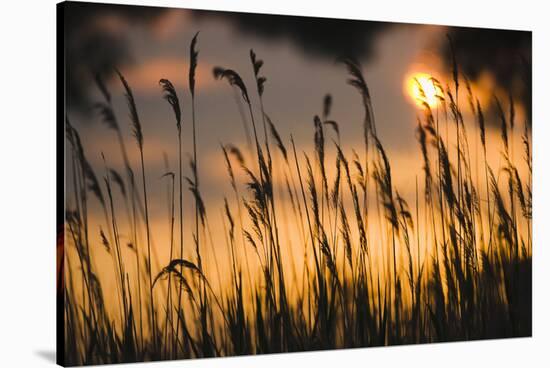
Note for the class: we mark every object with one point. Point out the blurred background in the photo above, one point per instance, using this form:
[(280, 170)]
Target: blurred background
[(299, 53)]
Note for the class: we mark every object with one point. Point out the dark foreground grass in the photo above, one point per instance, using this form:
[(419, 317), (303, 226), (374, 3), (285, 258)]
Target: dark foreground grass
[(456, 265)]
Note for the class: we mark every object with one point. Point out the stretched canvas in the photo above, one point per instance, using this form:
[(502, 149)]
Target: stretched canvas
[(236, 184)]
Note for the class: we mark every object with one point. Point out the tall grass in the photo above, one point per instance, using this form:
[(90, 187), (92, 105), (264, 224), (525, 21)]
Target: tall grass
[(456, 265)]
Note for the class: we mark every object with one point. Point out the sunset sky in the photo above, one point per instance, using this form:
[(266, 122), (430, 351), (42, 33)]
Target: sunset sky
[(149, 44)]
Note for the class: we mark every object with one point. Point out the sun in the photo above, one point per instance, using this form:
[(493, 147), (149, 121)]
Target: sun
[(422, 89)]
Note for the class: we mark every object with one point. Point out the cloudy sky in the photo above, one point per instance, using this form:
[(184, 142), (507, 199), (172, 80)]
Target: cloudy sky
[(147, 44)]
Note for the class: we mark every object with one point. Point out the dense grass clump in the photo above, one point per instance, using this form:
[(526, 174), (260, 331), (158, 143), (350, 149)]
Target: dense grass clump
[(377, 270)]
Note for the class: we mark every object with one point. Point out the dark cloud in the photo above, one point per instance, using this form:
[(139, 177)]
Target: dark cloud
[(504, 53), (90, 48), (500, 52), (316, 37)]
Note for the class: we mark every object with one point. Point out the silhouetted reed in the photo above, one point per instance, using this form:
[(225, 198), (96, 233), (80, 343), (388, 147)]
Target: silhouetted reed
[(377, 268)]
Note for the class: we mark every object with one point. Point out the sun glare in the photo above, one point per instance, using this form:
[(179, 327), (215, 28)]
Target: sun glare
[(422, 89)]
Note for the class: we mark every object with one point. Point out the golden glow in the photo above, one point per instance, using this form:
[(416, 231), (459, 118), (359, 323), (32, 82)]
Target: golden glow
[(422, 89)]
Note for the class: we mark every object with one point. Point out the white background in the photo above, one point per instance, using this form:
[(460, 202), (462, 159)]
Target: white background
[(27, 196)]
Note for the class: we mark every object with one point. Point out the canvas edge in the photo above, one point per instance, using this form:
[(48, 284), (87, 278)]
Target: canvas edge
[(60, 182)]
